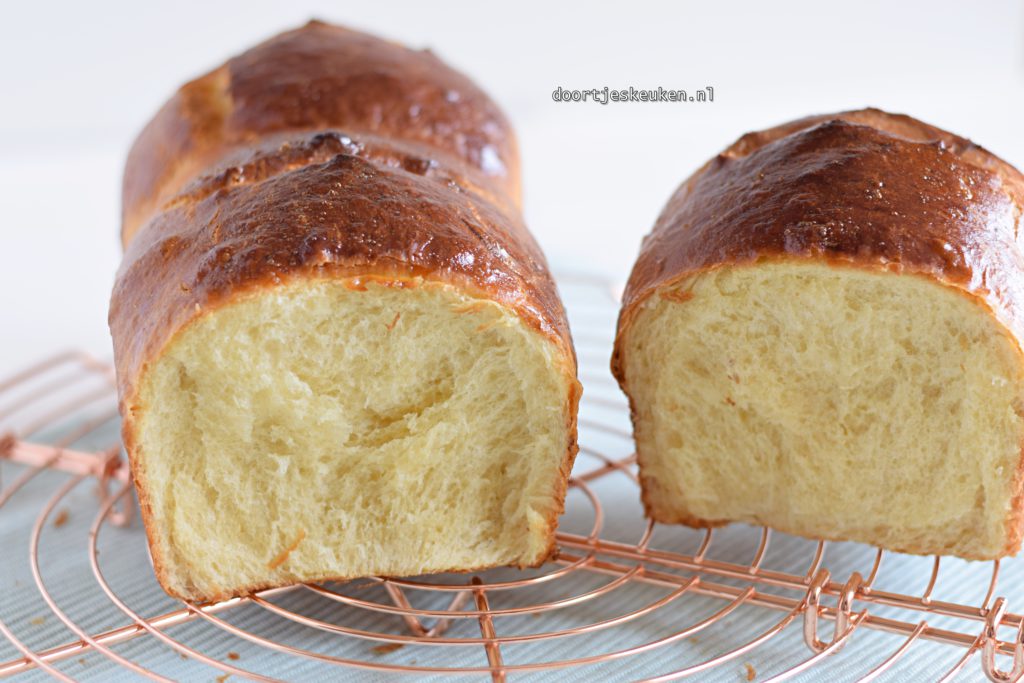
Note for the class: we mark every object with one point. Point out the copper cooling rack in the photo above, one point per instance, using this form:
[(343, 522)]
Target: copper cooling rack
[(622, 600)]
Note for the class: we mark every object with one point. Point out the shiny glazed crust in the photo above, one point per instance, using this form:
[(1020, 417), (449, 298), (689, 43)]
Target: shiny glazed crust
[(321, 153), (865, 189)]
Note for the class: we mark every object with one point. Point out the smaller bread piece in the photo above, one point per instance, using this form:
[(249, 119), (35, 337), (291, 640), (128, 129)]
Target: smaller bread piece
[(339, 351), (822, 335)]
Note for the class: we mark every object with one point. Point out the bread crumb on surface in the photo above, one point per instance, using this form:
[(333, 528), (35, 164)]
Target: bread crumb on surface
[(61, 519), (282, 557), (751, 672), (386, 648), (222, 678), (37, 621), (233, 656)]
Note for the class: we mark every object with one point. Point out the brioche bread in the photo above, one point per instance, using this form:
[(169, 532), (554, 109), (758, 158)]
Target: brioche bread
[(822, 335), (339, 351)]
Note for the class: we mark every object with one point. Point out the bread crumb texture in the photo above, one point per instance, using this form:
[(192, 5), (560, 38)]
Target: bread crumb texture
[(318, 431), (828, 401)]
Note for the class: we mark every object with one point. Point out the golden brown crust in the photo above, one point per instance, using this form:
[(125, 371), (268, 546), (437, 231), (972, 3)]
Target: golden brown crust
[(879, 190), (321, 153), (347, 211), (866, 189), (315, 78)]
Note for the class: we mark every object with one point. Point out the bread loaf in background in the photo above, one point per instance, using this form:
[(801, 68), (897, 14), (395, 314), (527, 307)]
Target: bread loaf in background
[(822, 334), (339, 351)]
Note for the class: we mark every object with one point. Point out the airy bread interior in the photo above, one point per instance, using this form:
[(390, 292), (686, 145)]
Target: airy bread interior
[(323, 430), (828, 401)]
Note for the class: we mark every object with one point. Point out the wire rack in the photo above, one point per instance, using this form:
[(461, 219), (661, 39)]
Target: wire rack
[(623, 599)]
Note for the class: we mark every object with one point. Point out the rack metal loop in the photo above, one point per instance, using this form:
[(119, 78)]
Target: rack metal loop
[(991, 637), (844, 611)]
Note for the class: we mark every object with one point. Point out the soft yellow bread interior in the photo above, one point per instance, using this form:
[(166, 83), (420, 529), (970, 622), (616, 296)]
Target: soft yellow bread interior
[(831, 402), (319, 430)]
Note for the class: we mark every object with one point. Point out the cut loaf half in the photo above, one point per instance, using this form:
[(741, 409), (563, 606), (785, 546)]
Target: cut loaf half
[(339, 351), (822, 334)]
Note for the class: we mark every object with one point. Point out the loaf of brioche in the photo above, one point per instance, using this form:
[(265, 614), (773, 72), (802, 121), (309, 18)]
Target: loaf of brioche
[(339, 351), (822, 334)]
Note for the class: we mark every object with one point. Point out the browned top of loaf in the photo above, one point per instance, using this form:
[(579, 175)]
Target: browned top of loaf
[(321, 153), (314, 78), (866, 188)]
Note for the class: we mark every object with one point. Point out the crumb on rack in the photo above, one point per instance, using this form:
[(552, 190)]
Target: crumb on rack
[(83, 661), (751, 672), (37, 621), (222, 678), (394, 322), (282, 557), (680, 296), (233, 656), (62, 518), (386, 648)]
